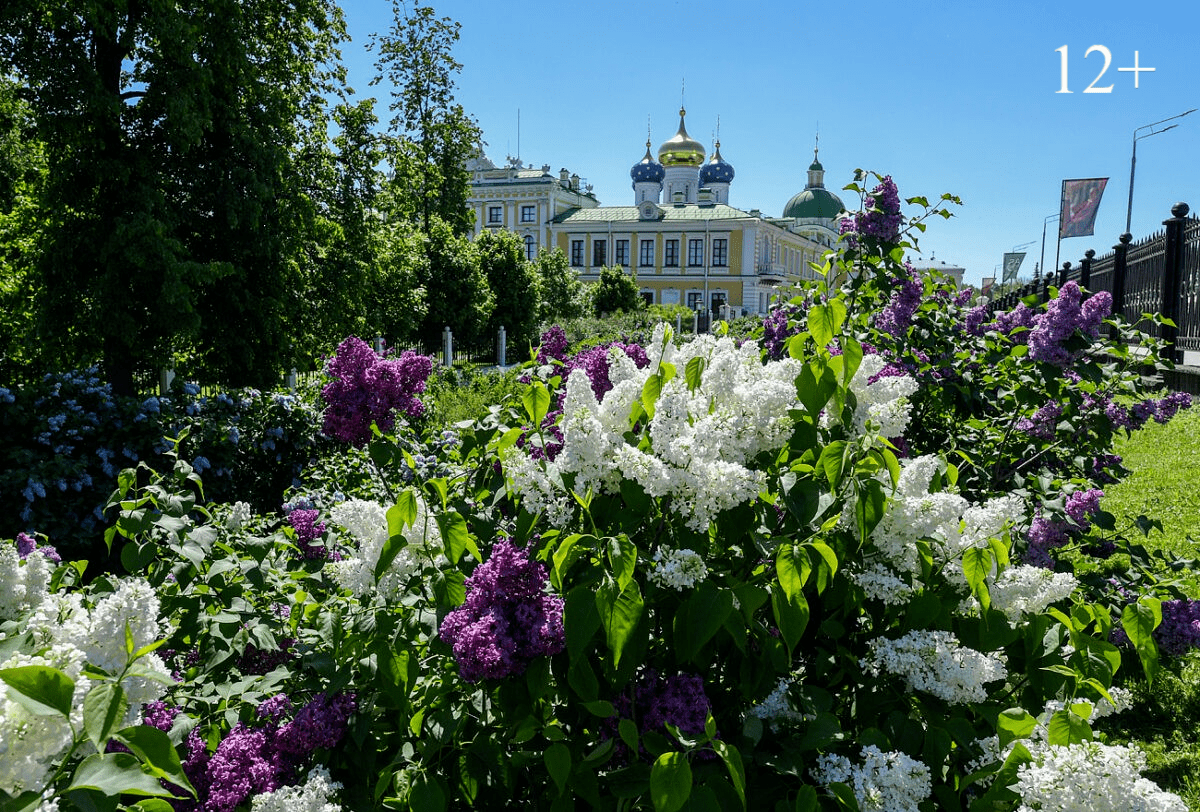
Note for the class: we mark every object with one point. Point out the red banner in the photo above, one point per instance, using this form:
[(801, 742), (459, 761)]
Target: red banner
[(1080, 201)]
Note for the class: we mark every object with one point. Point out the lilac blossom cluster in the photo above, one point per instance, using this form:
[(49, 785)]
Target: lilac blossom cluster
[(308, 533), (1137, 415), (595, 364), (1082, 505), (777, 329), (1044, 535), (975, 320), (253, 761), (1043, 423), (655, 701), (368, 389), (895, 318), (880, 218), (1066, 314), (26, 544), (553, 346), (1020, 318), (1179, 631), (507, 620)]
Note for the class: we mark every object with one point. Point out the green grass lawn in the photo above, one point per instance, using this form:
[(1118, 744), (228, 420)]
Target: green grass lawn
[(1165, 485)]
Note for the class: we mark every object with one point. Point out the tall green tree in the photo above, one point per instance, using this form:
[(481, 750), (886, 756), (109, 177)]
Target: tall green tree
[(22, 174), (562, 294), (171, 212), (456, 288), (432, 137), (616, 290), (514, 284)]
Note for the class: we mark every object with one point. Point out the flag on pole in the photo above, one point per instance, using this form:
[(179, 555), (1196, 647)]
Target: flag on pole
[(1080, 201), (1012, 264)]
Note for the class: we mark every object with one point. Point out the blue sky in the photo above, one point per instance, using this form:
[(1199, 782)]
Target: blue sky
[(945, 97)]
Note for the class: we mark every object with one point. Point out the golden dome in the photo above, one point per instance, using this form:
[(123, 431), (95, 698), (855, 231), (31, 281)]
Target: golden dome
[(680, 149)]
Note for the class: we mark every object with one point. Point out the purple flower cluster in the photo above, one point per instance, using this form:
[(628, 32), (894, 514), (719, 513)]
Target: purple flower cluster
[(257, 661), (656, 701), (368, 389), (594, 363), (777, 330), (308, 532), (974, 321), (553, 346), (1015, 319), (1103, 468), (1043, 423), (26, 544), (255, 760), (1065, 314), (1082, 505), (507, 620), (880, 218), (159, 714), (895, 318), (1137, 415), (1044, 535), (1179, 631)]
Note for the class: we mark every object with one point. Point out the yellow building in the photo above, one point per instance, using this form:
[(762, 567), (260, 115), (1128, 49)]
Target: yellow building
[(680, 237)]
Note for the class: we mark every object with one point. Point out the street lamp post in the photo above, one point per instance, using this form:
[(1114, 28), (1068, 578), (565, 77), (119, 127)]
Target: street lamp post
[(1133, 158), (1043, 254)]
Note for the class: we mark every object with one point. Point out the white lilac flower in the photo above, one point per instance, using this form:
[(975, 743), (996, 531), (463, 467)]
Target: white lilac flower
[(1026, 590), (367, 524), (776, 710), (883, 402), (882, 584), (238, 516), (23, 584), (882, 782), (936, 663), (1090, 777), (677, 569), (315, 795), (30, 744), (538, 485)]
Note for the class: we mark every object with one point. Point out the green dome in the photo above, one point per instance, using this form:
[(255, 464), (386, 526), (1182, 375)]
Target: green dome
[(818, 202)]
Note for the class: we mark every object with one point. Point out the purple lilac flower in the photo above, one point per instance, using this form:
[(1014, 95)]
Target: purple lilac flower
[(1044, 535), (553, 345), (1095, 310), (777, 329), (1166, 408), (507, 620), (25, 545), (274, 709), (974, 321), (1020, 316), (1103, 466), (1059, 322), (658, 701), (594, 363), (259, 662), (1179, 631), (897, 315), (1081, 505), (308, 531), (368, 389), (880, 218), (963, 297), (321, 723), (160, 715), (244, 764), (1043, 423)]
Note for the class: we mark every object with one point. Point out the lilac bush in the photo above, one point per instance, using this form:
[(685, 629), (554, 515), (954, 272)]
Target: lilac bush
[(367, 389)]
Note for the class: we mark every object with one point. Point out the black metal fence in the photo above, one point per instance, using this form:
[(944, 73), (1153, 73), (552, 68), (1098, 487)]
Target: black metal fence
[(1157, 274)]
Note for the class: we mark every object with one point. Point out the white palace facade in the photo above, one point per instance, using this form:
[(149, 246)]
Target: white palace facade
[(679, 235)]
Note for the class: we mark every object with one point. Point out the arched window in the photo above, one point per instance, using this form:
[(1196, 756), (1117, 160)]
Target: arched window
[(530, 247)]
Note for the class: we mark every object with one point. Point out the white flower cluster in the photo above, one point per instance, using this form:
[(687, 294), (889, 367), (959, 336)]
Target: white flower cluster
[(884, 402), (702, 439), (951, 523), (315, 795), (1027, 590), (882, 584), (67, 634), (1090, 777), (677, 569), (23, 584), (935, 662), (239, 515), (776, 710), (882, 782), (540, 489), (367, 524)]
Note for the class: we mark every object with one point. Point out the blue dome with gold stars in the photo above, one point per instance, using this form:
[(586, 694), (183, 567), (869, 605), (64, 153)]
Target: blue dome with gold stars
[(716, 170), (647, 170)]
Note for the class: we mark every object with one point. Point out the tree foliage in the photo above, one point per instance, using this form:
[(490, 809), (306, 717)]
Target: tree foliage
[(456, 287), (561, 291), (515, 286), (615, 290)]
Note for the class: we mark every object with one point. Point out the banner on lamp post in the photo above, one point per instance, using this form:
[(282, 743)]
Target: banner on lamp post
[(1080, 201), (1012, 264)]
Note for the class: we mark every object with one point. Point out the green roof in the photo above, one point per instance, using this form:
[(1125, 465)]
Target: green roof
[(820, 203), (688, 212)]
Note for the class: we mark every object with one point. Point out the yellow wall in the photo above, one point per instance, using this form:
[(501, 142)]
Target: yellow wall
[(735, 252)]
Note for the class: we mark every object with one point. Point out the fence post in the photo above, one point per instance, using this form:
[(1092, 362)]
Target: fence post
[(1172, 276), (165, 378), (696, 322), (678, 324), (1064, 274), (501, 341), (447, 347), (1120, 264), (1085, 269), (291, 380), (379, 345), (1047, 281)]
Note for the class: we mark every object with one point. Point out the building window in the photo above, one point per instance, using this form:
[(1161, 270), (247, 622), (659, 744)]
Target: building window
[(530, 247), (720, 252), (648, 297), (577, 253), (718, 302), (695, 253), (495, 215), (599, 253), (528, 213), (671, 253), (646, 254), (622, 253), (695, 299)]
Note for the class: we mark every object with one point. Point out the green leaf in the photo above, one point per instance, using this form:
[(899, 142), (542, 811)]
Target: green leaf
[(1139, 620), (700, 617), (622, 557), (154, 748), (399, 517), (977, 565), (1066, 727), (825, 560), (455, 537), (536, 400), (103, 709), (833, 462), (620, 611), (733, 763), (791, 615), (427, 795), (115, 774), (651, 389), (627, 730), (869, 509), (670, 782), (558, 764), (41, 690), (852, 355), (694, 371), (791, 571), (1014, 723), (825, 321), (806, 800)]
